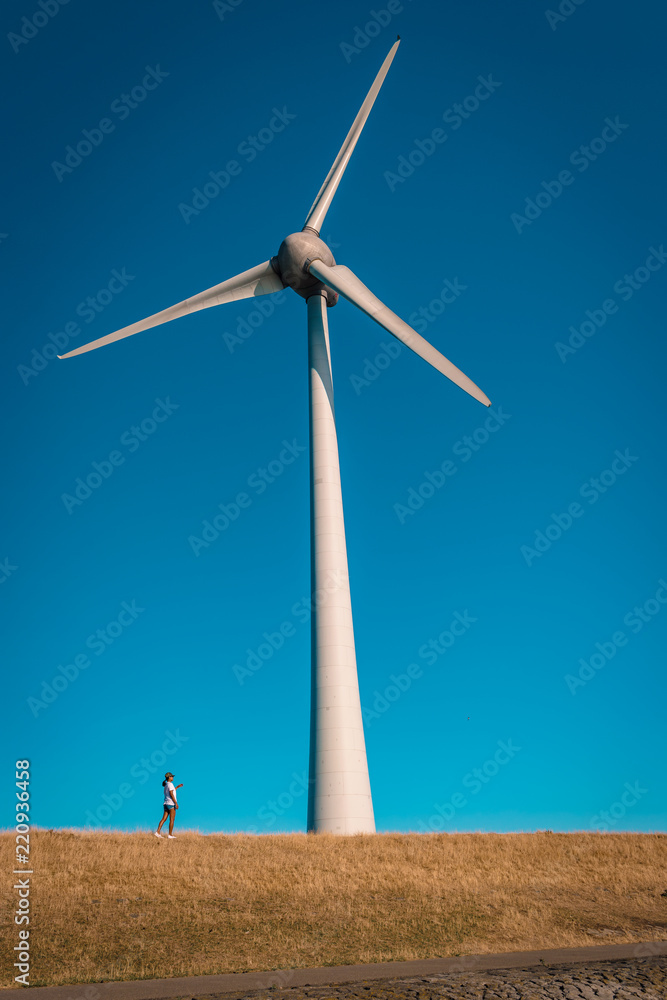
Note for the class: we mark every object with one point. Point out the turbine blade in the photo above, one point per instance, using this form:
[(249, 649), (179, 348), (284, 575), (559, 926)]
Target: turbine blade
[(320, 206), (342, 280), (260, 280)]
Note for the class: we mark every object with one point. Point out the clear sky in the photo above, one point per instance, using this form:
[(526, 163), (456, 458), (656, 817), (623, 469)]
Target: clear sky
[(507, 198)]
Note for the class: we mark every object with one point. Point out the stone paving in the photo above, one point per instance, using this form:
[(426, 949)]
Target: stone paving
[(625, 979)]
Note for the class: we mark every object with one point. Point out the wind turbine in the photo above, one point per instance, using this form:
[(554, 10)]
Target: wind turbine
[(339, 794)]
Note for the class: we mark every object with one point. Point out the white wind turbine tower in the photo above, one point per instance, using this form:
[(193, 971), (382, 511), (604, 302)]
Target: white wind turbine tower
[(339, 798)]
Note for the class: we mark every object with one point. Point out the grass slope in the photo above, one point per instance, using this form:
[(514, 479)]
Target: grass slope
[(127, 906)]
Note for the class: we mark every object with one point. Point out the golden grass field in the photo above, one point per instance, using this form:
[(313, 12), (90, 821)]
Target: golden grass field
[(111, 906)]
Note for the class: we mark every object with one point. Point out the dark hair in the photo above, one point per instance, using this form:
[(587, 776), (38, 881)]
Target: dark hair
[(164, 782)]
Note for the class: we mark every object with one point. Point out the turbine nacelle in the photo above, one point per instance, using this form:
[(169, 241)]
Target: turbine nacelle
[(294, 257)]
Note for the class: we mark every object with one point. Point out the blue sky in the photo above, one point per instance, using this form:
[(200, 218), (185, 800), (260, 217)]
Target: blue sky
[(541, 210)]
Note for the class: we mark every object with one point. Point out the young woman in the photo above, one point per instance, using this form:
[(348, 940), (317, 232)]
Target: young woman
[(170, 805)]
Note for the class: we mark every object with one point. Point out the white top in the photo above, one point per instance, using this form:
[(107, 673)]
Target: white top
[(169, 787)]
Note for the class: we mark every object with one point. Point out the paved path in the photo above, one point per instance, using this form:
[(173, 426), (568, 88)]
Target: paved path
[(624, 979), (603, 972)]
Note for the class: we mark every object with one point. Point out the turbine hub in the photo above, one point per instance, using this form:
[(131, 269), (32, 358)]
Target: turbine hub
[(291, 264)]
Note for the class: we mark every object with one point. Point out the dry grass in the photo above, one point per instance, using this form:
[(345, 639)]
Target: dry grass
[(123, 906)]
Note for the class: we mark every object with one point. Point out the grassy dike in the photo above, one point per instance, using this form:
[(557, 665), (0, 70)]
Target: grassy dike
[(107, 906)]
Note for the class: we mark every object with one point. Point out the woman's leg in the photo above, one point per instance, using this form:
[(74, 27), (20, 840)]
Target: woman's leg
[(164, 816), (172, 817)]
